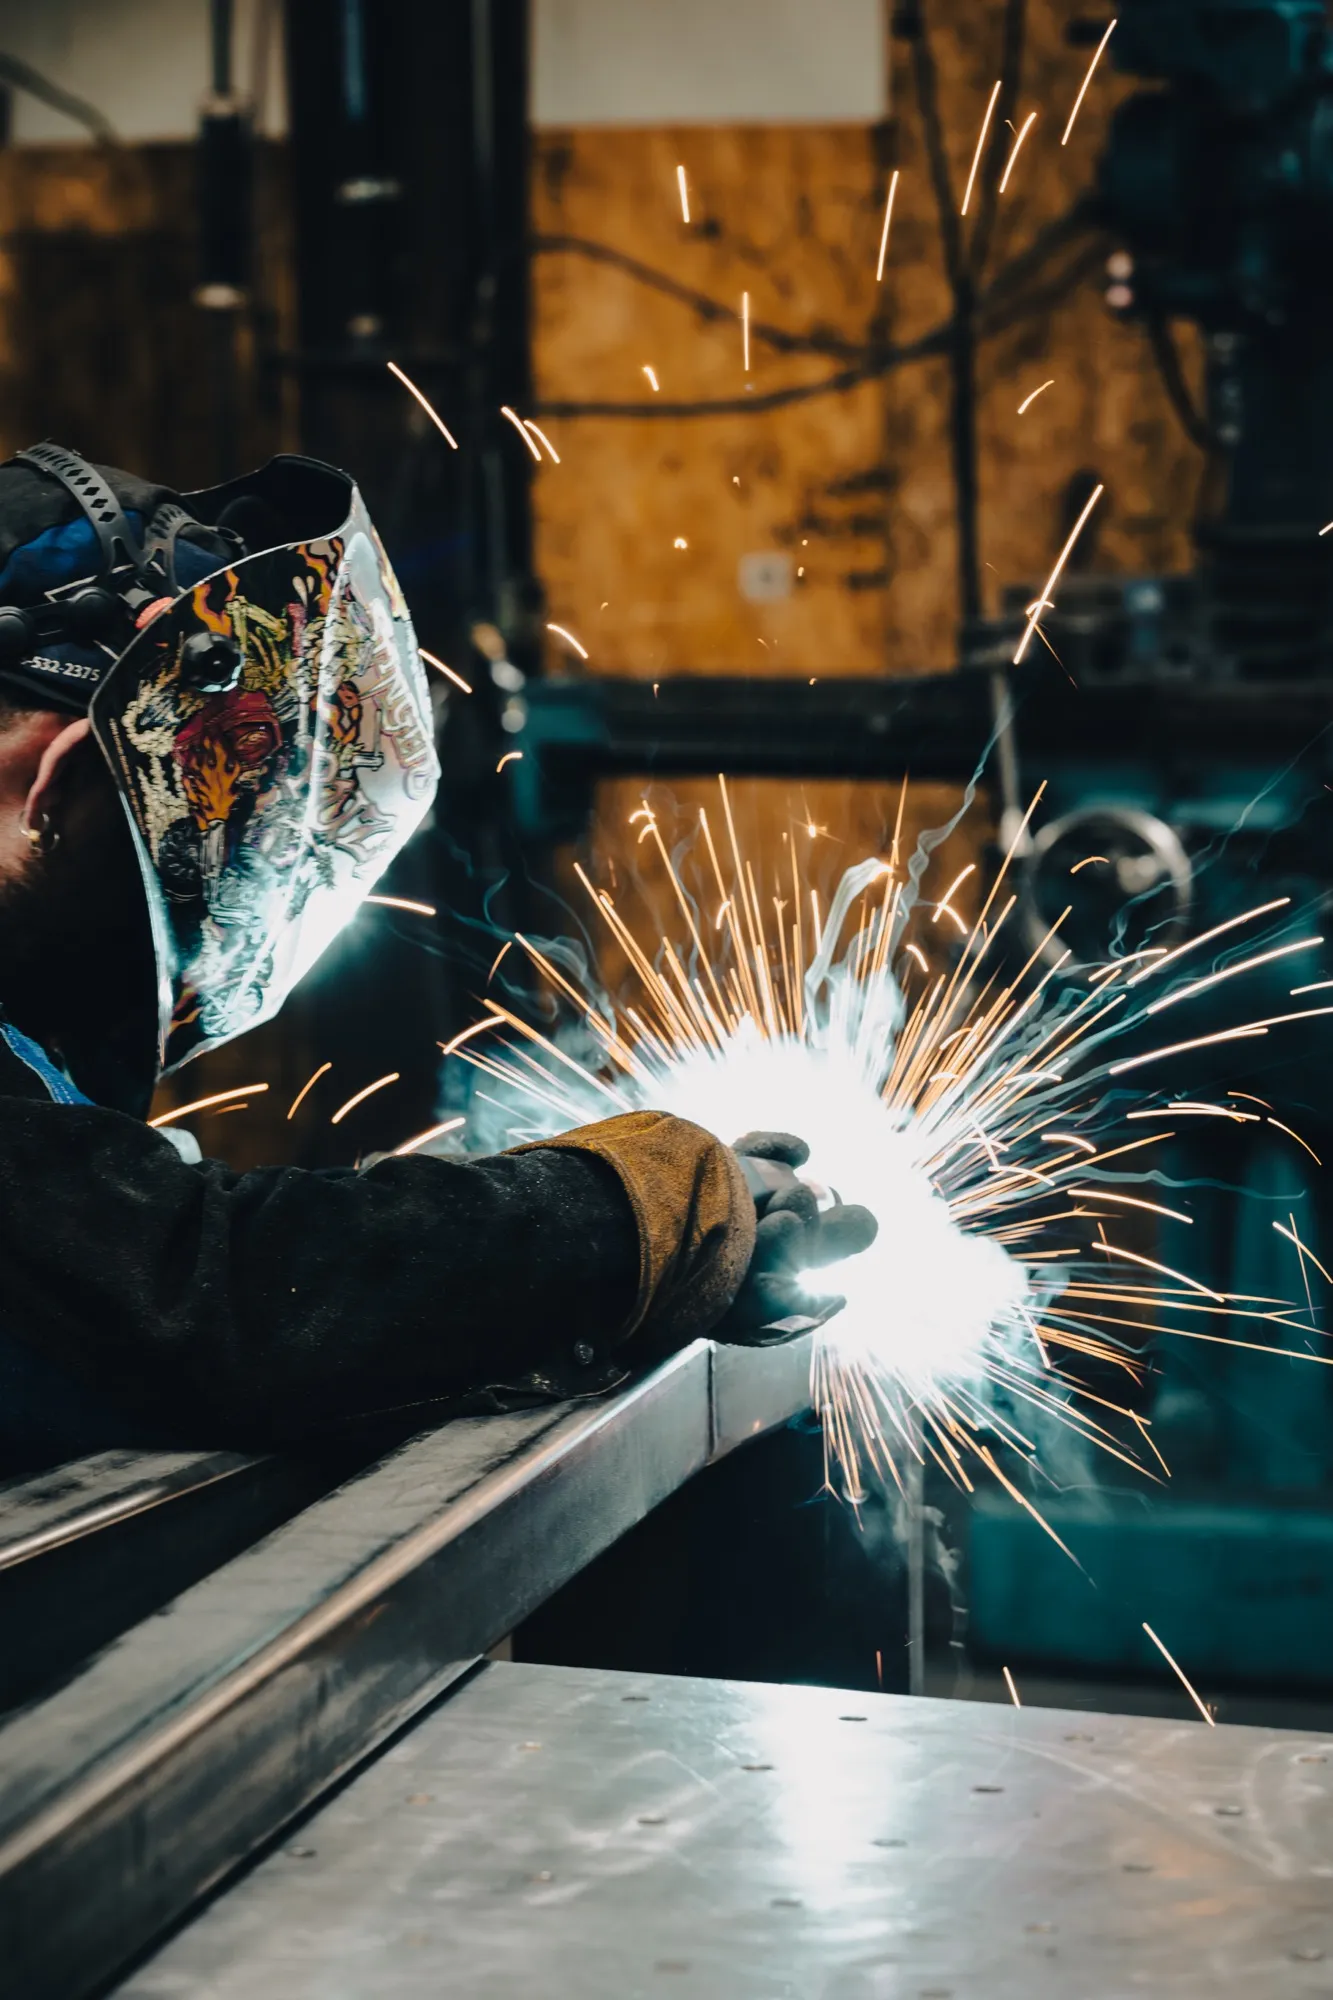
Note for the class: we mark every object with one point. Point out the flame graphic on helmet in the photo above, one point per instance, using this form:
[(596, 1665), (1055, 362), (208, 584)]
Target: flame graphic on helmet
[(217, 617)]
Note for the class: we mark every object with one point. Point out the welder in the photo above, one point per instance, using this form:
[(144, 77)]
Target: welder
[(214, 737)]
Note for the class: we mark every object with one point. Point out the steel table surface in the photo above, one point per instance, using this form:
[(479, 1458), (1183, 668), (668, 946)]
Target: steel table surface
[(129, 1792), (555, 1831)]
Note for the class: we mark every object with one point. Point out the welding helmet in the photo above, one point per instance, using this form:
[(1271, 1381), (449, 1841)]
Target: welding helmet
[(252, 679)]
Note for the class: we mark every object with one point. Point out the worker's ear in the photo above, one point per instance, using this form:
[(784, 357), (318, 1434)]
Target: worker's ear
[(37, 806)]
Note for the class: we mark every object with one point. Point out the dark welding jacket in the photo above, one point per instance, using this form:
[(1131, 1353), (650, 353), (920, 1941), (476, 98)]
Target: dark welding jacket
[(148, 1300)]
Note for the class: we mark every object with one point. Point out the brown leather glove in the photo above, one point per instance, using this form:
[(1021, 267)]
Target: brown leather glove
[(695, 1214)]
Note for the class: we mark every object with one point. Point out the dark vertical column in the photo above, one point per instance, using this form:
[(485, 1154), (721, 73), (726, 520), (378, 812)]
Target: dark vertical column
[(409, 148)]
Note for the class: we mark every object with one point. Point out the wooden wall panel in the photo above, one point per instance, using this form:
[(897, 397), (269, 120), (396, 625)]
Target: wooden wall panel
[(100, 344), (857, 485), (789, 215)]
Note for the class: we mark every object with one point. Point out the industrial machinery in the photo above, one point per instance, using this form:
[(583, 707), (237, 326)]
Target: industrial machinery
[(1187, 737)]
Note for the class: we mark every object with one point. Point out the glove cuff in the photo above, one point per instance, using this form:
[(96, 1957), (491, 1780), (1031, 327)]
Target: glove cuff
[(694, 1213)]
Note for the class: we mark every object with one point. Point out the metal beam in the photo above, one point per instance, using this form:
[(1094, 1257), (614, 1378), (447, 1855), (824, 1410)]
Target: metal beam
[(193, 1740), (927, 726), (88, 1549)]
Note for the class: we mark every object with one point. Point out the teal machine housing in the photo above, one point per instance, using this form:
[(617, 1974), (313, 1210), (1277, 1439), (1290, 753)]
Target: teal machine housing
[(1187, 735), (1231, 1558)]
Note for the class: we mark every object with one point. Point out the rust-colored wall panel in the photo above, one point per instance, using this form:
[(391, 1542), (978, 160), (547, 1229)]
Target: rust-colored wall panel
[(792, 214), (787, 214), (100, 344), (856, 486)]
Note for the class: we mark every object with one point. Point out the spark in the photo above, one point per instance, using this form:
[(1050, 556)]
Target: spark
[(653, 382), (434, 1132), (1044, 601), (569, 639), (510, 757), (403, 903), (1179, 1048), (1230, 972), (433, 660), (1023, 409), (1009, 1683), (1319, 986), (306, 1089), (981, 143), (680, 543), (1303, 1249), (683, 185), (514, 418), (467, 1035), (1019, 137), (1087, 79), (1164, 1270), (425, 403), (206, 1103), (506, 946), (884, 233), (1327, 529), (1225, 1035), (542, 439), (1206, 937), (1132, 1201), (380, 1083), (947, 898), (1182, 1108), (1297, 1137), (1174, 1664), (972, 1119), (745, 329)]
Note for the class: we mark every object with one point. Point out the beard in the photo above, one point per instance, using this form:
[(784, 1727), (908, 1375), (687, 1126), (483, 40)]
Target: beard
[(76, 960)]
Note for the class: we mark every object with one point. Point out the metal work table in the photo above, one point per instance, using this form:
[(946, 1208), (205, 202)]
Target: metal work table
[(548, 1830), (172, 1755)]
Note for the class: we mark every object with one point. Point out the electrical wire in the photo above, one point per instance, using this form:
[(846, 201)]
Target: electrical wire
[(999, 306), (1166, 355), (779, 338), (20, 75)]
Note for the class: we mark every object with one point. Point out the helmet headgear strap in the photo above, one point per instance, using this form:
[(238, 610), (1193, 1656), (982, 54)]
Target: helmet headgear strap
[(119, 544)]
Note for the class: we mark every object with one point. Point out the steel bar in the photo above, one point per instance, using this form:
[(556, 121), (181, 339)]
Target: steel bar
[(190, 1742), (91, 1547), (51, 1509)]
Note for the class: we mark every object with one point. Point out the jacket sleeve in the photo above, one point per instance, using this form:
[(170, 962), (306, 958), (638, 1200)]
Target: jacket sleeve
[(260, 1307), (255, 1308)]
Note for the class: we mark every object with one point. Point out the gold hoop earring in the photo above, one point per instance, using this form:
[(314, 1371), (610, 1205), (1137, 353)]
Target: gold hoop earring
[(41, 839)]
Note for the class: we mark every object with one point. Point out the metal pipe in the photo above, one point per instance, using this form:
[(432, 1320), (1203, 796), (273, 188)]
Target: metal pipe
[(220, 38)]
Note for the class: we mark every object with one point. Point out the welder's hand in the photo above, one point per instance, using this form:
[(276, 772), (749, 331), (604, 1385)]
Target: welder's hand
[(792, 1235)]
